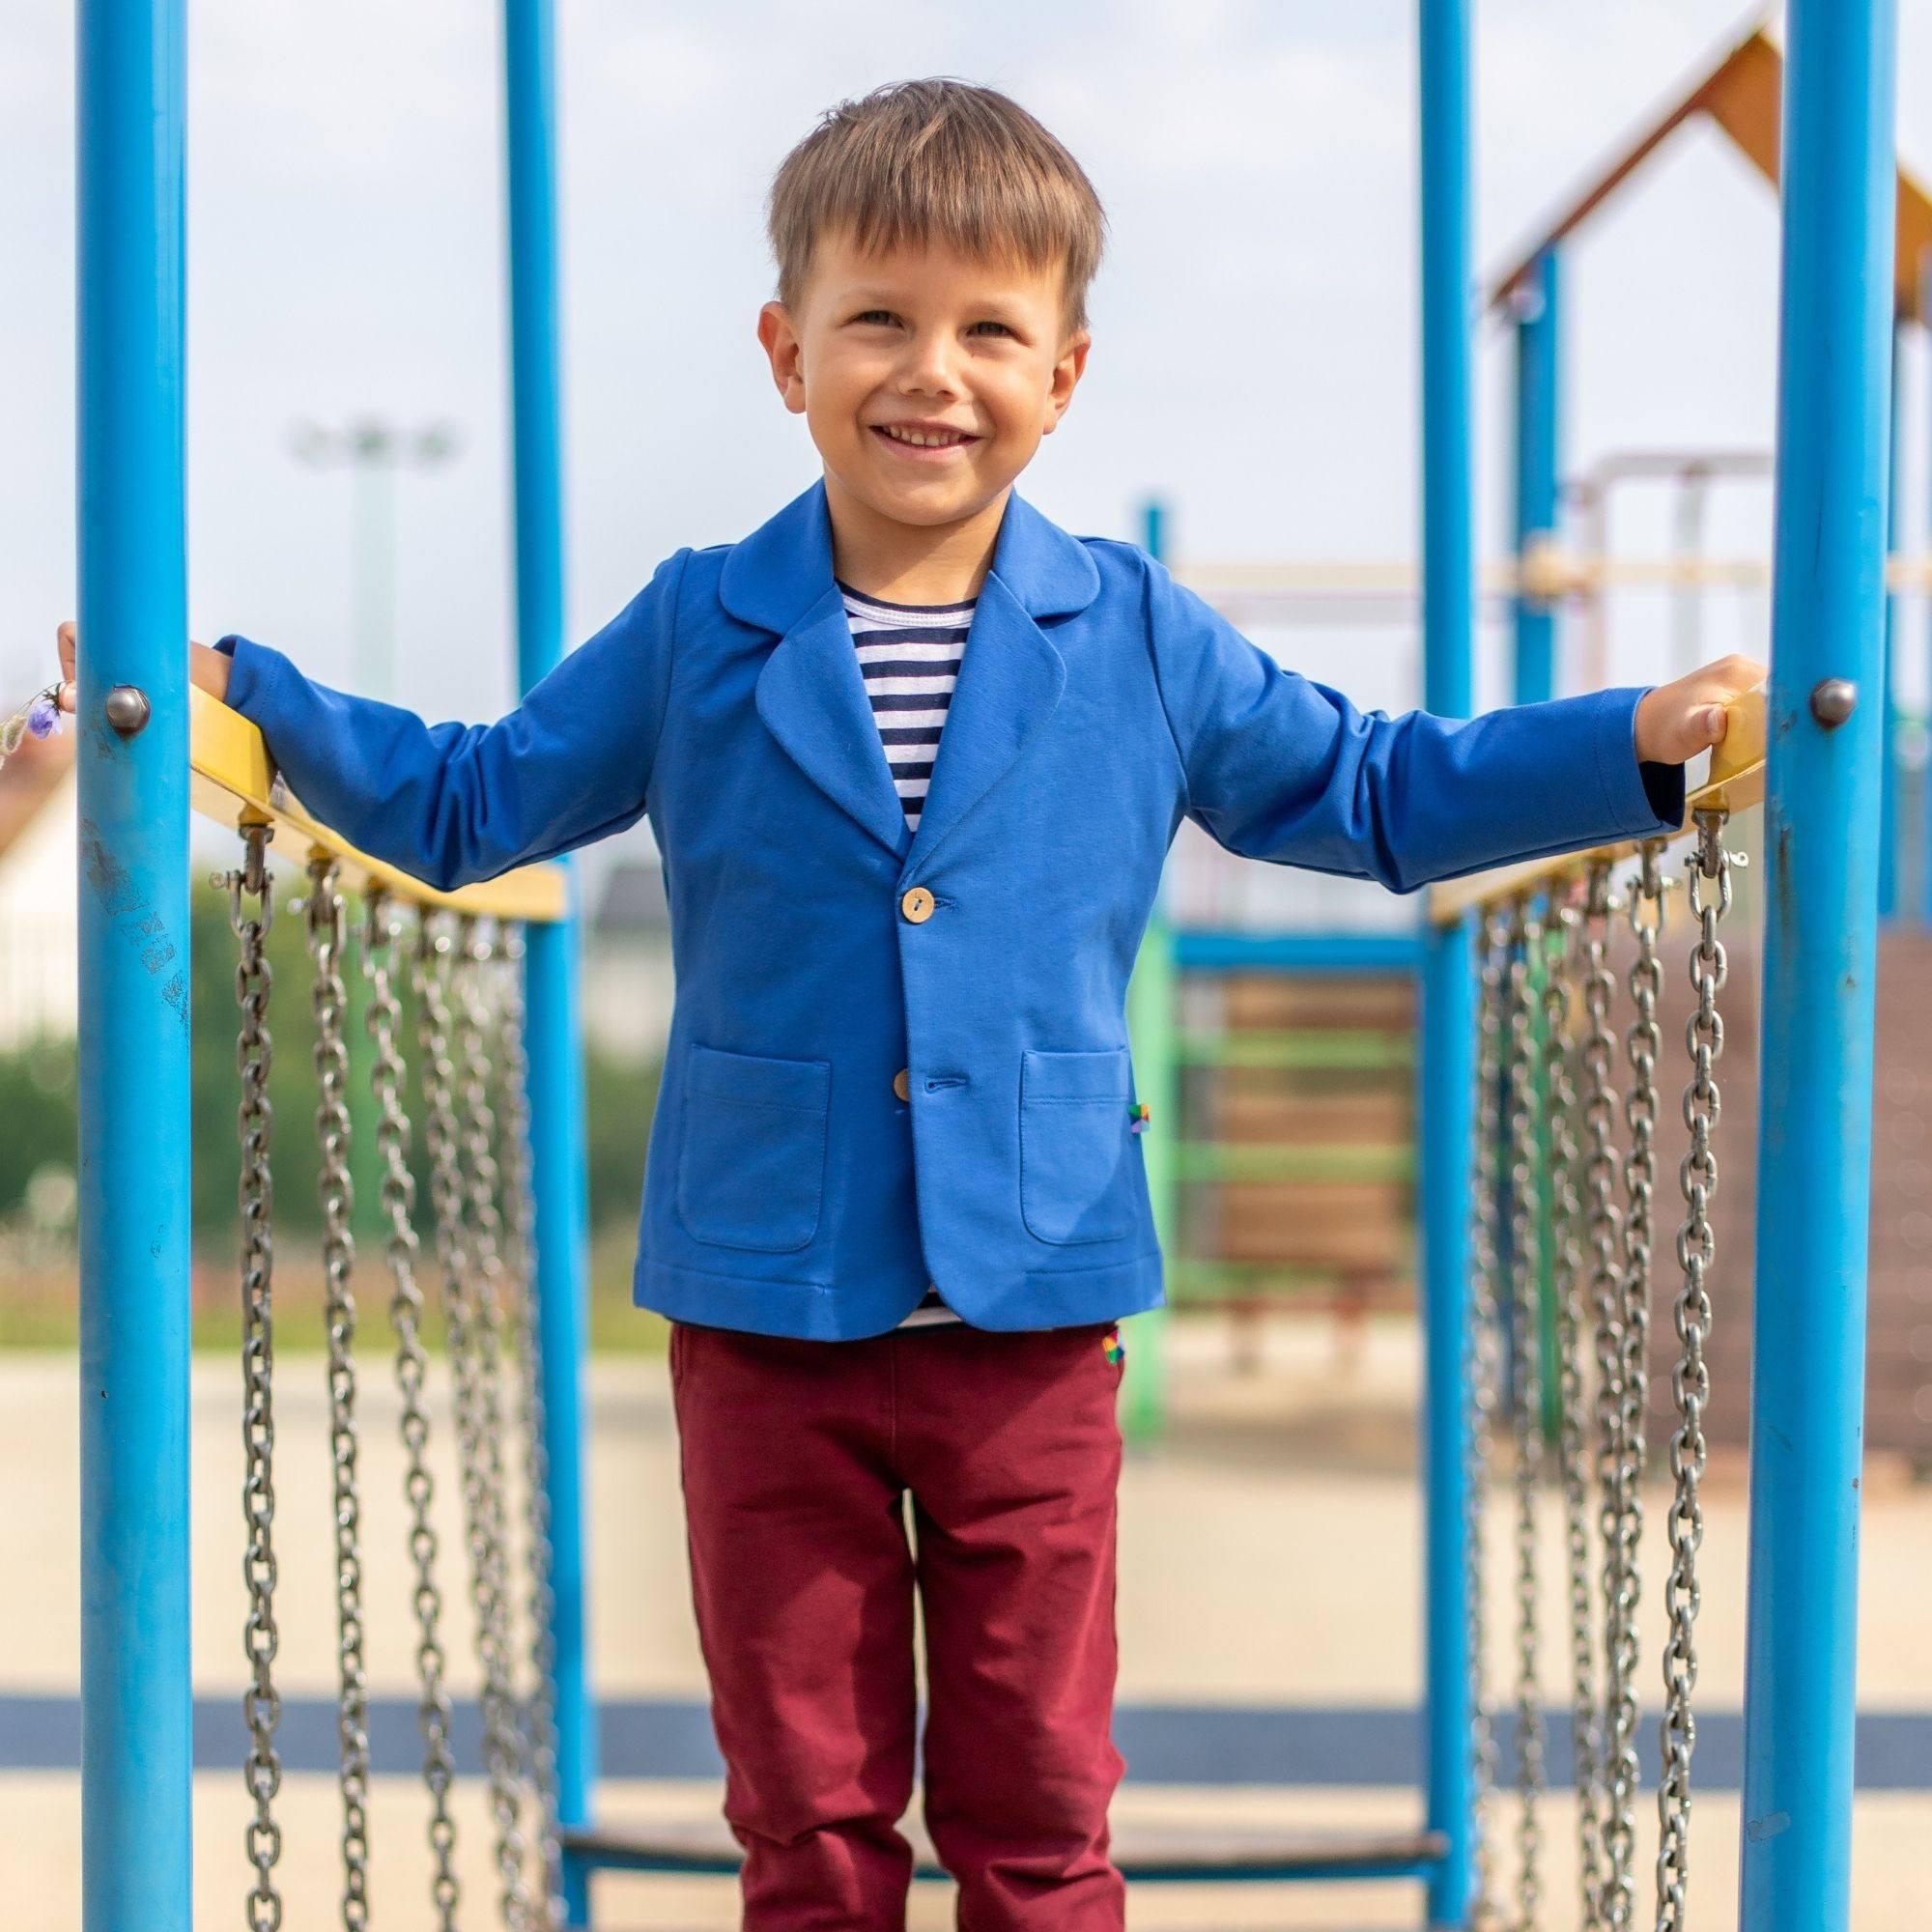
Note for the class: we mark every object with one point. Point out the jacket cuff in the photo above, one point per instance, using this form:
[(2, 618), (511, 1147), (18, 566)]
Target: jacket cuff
[(245, 680), (1641, 798)]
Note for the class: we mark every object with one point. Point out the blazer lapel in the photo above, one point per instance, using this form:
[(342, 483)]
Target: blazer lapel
[(812, 694), (811, 697), (1011, 678)]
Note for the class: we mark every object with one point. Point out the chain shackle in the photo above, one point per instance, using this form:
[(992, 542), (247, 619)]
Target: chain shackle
[(381, 930), (1710, 898)]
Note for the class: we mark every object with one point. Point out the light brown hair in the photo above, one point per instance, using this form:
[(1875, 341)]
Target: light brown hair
[(937, 161)]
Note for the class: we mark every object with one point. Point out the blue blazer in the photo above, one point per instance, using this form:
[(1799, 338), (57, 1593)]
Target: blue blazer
[(821, 947)]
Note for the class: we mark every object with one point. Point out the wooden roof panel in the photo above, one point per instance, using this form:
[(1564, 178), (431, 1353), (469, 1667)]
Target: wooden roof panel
[(1743, 94)]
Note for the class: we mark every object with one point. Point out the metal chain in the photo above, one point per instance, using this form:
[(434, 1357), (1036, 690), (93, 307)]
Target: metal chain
[(381, 930), (254, 1054), (446, 1143), (1697, 1176), (521, 1253), (329, 999), (1623, 1512), (1566, 1220), (1605, 1222), (477, 1115), (1525, 1119), (1483, 1372)]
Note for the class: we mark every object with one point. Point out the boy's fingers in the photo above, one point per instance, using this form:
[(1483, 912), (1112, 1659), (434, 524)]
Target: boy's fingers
[(1717, 720)]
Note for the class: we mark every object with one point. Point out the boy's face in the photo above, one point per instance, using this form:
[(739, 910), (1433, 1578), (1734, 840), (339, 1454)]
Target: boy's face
[(925, 377)]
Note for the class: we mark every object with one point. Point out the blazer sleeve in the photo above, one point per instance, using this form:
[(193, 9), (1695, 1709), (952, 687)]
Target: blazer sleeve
[(1278, 767), (450, 804)]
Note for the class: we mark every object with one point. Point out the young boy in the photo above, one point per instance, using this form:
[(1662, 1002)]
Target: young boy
[(914, 757)]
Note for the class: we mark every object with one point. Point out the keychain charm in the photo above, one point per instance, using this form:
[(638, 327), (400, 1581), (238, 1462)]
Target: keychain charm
[(39, 718)]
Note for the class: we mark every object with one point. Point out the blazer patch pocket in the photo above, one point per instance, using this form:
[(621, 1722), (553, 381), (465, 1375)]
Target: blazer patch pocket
[(750, 1169), (1076, 1150)]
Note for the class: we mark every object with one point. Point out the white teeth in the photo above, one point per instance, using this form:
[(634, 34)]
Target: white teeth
[(924, 439)]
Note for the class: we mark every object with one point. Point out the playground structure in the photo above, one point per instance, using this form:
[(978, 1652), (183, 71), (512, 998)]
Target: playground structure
[(1496, 1010), (1284, 1021)]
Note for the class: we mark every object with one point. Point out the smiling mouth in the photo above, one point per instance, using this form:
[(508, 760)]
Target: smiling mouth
[(926, 440)]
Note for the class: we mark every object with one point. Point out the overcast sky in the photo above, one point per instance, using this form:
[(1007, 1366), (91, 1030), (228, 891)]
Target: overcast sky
[(1255, 358)]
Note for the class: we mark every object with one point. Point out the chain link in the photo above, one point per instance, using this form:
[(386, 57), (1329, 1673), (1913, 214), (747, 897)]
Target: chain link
[(1485, 1247), (330, 999), (1603, 1220), (381, 930), (1622, 1513), (1710, 868), (1566, 1225), (254, 1054), (1525, 1120), (462, 1270), (521, 1252), (478, 1121)]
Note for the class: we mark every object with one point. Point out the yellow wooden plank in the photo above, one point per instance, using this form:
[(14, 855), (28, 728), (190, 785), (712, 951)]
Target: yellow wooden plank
[(235, 783), (1735, 784)]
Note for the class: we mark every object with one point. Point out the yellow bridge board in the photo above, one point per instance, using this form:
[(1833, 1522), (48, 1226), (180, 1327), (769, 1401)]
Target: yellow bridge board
[(235, 784)]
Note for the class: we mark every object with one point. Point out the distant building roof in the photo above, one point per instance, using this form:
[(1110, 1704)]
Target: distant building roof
[(1743, 94), (633, 902), (28, 780)]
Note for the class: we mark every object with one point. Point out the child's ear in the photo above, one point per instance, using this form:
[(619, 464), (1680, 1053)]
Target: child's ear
[(781, 345), (1067, 374)]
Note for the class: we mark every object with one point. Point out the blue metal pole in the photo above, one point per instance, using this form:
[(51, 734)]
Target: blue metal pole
[(1888, 771), (1925, 781), (1821, 847), (137, 1830), (1448, 1071), (557, 1067), (1538, 408)]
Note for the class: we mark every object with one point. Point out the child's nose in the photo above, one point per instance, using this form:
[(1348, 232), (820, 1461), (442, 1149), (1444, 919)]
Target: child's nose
[(930, 368)]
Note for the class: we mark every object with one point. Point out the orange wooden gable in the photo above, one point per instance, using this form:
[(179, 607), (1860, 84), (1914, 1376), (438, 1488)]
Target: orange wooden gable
[(1743, 94)]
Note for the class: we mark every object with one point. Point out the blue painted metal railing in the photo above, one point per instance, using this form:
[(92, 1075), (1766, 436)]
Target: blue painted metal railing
[(1820, 826), (136, 1832)]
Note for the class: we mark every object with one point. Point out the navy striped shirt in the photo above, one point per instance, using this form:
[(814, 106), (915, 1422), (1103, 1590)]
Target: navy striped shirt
[(909, 657)]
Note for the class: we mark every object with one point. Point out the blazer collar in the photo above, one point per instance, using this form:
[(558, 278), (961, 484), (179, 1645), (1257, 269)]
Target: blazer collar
[(812, 694), (781, 570)]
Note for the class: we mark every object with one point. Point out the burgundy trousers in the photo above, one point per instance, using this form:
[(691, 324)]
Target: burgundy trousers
[(797, 1460)]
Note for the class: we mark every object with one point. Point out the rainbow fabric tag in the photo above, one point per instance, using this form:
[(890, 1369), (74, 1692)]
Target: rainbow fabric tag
[(1138, 1118), (1111, 1346)]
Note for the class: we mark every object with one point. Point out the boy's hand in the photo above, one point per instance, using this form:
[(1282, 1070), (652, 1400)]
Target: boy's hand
[(1676, 721), (205, 667)]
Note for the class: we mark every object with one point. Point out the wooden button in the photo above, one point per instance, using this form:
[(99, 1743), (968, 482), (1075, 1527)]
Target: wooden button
[(917, 905), (902, 1083)]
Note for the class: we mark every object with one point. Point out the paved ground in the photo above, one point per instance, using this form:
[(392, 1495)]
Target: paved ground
[(1269, 1557)]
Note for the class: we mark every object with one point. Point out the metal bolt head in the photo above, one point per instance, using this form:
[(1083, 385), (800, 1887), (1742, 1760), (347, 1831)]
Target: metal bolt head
[(126, 709), (1833, 699)]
